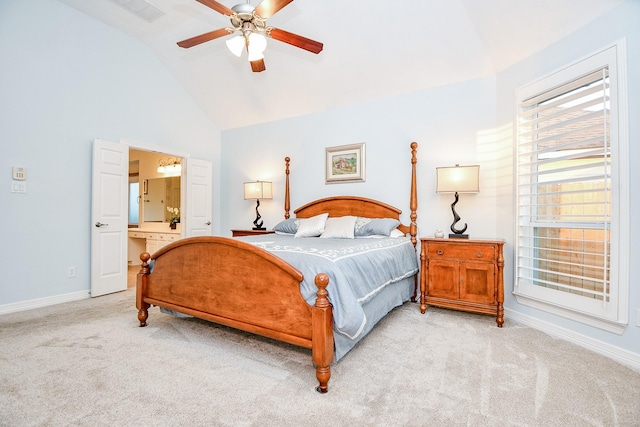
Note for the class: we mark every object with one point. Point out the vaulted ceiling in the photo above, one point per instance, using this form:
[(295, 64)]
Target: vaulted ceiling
[(372, 49)]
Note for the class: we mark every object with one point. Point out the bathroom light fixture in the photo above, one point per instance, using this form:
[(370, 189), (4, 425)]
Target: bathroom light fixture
[(170, 167), (458, 179), (257, 190)]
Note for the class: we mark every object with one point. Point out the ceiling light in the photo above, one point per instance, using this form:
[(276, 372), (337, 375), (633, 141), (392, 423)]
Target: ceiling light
[(170, 167), (257, 44), (236, 45), (254, 55)]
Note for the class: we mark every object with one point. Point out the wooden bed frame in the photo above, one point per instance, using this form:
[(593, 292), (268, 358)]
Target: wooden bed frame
[(237, 284)]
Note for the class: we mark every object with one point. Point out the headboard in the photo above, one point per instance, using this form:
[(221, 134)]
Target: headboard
[(359, 206)]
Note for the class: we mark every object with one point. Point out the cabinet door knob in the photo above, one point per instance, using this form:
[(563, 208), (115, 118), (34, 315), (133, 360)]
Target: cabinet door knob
[(479, 254), (440, 251)]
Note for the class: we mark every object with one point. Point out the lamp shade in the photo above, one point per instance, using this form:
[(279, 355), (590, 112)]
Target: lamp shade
[(257, 190), (236, 45), (257, 44), (458, 179)]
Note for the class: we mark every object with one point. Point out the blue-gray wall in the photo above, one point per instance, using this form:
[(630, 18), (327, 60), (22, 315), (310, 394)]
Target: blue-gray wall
[(66, 79)]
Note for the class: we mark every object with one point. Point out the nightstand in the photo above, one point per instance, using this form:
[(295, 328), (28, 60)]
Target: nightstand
[(238, 233), (462, 274)]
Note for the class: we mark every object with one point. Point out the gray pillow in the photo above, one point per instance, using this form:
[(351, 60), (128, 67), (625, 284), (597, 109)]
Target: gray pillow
[(288, 226), (375, 226)]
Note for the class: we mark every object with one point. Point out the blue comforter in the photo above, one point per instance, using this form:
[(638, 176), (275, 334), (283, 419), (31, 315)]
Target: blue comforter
[(358, 270)]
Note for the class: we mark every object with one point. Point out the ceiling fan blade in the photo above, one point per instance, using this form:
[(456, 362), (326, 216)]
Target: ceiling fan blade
[(268, 8), (193, 41), (258, 65), (295, 40), (220, 8)]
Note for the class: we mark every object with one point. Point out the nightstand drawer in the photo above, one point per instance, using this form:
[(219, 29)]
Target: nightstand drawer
[(464, 252)]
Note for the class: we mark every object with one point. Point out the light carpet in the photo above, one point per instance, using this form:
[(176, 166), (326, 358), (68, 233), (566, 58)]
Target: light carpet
[(87, 363)]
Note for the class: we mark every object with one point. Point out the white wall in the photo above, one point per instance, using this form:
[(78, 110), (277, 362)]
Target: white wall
[(65, 79), (622, 22), (448, 123)]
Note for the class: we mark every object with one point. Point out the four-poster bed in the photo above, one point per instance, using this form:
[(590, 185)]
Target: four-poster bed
[(242, 283)]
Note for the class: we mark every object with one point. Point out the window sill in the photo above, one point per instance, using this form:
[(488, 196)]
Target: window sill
[(587, 319)]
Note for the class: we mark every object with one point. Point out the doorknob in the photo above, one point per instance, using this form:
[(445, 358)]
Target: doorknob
[(99, 224), (207, 223)]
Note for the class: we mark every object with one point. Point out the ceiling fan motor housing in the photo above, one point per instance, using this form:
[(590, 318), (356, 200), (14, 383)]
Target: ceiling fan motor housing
[(244, 19)]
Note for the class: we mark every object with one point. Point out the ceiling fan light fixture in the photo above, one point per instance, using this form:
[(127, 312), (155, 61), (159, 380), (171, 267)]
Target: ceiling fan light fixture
[(254, 56), (251, 23), (257, 42), (236, 45)]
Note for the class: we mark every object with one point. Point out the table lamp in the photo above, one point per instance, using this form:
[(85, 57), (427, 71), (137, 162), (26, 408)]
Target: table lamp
[(457, 179), (257, 190)]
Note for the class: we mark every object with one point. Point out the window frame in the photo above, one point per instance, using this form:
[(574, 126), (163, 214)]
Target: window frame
[(612, 316)]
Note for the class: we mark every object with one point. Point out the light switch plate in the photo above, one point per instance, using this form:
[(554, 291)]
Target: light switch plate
[(18, 187), (19, 173)]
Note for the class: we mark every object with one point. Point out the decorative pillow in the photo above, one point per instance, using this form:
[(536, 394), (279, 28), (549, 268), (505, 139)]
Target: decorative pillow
[(311, 227), (339, 228), (288, 226), (396, 233), (375, 226)]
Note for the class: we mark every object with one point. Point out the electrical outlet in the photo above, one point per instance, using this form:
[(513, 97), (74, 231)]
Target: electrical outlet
[(71, 272)]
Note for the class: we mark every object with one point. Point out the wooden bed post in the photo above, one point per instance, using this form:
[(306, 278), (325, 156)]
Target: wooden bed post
[(413, 205), (287, 205), (141, 289), (322, 344), (413, 202)]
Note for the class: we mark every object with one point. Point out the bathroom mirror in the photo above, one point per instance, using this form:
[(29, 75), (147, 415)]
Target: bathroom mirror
[(158, 194)]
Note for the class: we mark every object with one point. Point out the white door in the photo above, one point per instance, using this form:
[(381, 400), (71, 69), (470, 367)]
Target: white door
[(109, 220), (199, 196)]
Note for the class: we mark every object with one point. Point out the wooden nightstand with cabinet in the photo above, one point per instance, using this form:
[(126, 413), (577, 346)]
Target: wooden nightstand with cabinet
[(462, 274)]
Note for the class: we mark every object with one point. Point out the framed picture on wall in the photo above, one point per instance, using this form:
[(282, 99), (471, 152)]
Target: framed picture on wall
[(345, 163)]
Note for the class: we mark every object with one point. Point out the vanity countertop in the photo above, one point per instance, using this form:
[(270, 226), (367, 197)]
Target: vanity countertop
[(153, 230)]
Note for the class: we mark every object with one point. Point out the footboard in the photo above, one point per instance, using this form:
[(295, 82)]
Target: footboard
[(237, 284)]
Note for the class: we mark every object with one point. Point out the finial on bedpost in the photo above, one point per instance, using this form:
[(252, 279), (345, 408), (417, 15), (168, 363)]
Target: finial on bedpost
[(287, 205), (413, 204)]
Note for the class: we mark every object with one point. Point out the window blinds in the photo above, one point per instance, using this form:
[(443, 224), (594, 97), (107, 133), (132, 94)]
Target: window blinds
[(564, 187)]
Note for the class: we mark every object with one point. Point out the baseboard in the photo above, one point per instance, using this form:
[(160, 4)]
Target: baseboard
[(43, 302), (618, 354)]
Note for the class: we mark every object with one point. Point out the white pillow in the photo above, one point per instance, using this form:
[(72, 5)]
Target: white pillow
[(396, 233), (339, 228), (311, 227)]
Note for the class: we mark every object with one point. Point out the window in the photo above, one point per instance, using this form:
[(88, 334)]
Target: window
[(571, 185)]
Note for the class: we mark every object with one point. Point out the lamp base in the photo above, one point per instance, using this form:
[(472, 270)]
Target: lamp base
[(458, 236), (259, 228)]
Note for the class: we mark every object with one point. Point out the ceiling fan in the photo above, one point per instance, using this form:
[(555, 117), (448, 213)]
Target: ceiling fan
[(251, 23)]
